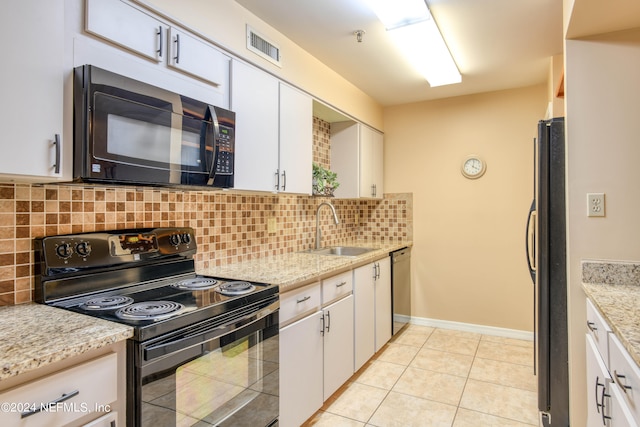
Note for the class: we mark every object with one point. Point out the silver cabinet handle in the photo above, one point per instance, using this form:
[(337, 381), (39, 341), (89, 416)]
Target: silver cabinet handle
[(277, 180), (591, 326), (65, 396), (177, 41), (56, 142), (284, 180), (328, 321), (323, 323), (303, 299), (160, 41), (341, 284), (617, 377), (604, 417), (599, 384)]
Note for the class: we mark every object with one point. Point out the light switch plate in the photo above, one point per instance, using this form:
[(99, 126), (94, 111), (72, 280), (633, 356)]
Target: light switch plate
[(595, 204)]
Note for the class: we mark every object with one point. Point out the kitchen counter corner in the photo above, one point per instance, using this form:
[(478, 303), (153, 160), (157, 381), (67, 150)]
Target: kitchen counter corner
[(614, 288), (35, 335)]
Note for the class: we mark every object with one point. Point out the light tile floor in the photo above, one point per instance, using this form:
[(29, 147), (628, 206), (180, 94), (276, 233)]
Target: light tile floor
[(438, 377)]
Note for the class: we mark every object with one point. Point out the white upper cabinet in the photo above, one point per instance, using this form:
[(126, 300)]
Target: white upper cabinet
[(296, 145), (371, 163), (32, 89), (254, 98), (128, 27), (193, 56), (357, 158), (274, 130), (152, 38)]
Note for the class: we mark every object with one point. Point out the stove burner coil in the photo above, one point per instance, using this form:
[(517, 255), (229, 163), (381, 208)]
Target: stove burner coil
[(149, 310), (196, 284), (235, 288), (106, 303)]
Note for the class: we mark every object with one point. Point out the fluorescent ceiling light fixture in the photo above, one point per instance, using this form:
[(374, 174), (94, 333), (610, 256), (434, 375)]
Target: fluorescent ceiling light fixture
[(415, 33)]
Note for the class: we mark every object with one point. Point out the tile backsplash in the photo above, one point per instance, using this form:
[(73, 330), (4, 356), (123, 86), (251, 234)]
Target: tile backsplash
[(229, 226)]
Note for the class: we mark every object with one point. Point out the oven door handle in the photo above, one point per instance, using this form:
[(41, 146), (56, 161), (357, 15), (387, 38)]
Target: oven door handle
[(193, 339)]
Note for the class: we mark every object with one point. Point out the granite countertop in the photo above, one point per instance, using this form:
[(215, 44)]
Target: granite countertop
[(35, 335), (614, 288), (292, 270)]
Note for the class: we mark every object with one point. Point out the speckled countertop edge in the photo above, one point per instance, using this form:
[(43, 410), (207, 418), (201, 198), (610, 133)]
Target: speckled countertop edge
[(614, 288), (292, 270), (35, 335)]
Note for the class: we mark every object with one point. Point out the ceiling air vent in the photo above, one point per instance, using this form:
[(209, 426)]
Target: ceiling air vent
[(261, 46)]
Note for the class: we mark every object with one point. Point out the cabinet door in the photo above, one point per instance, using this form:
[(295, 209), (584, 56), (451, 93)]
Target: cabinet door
[(598, 383), (345, 151), (366, 162), (195, 57), (32, 87), (377, 164), (128, 27), (364, 312), (384, 316), (254, 98), (621, 415), (300, 370), (296, 141), (371, 163), (338, 345)]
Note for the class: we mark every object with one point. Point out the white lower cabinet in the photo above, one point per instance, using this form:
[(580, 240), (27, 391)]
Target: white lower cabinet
[(301, 357), (373, 311), (598, 382), (64, 397), (338, 344), (613, 378), (316, 352)]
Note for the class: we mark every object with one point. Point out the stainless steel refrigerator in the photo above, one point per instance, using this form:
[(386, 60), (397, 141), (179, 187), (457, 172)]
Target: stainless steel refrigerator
[(546, 256)]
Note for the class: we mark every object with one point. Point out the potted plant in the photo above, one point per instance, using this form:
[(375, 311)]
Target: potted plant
[(325, 182)]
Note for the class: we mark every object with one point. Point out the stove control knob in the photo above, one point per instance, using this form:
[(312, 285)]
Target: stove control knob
[(174, 239), (83, 249), (186, 238), (64, 250)]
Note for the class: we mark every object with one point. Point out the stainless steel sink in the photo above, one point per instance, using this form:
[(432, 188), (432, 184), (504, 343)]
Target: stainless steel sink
[(340, 251)]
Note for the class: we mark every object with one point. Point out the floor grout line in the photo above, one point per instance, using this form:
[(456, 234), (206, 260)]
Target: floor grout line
[(405, 367)]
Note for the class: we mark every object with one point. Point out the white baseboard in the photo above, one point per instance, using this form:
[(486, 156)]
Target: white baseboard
[(467, 327)]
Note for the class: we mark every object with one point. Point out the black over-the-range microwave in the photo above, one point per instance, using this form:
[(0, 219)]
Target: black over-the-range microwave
[(130, 132)]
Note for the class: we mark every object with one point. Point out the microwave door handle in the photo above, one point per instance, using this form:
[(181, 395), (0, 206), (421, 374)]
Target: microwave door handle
[(211, 114)]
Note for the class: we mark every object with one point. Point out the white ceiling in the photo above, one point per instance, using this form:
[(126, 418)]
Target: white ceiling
[(497, 44)]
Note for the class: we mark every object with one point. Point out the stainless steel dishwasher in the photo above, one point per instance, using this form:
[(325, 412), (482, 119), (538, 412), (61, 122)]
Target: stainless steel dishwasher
[(401, 287)]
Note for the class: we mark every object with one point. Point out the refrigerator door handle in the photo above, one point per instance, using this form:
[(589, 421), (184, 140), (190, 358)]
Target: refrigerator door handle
[(530, 241)]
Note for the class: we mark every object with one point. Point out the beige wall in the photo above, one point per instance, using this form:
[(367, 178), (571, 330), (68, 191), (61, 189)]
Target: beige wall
[(224, 23), (603, 100), (468, 258)]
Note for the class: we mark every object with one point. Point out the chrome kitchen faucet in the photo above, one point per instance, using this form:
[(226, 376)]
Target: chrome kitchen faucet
[(318, 231)]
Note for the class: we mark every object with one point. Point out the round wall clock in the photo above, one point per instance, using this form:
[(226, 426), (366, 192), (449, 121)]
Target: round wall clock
[(473, 167)]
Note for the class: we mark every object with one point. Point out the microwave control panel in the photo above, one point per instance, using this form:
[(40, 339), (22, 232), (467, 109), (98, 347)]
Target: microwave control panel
[(225, 148)]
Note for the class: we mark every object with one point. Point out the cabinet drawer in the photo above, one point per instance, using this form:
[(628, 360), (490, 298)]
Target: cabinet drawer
[(598, 328), (299, 302), (336, 287), (91, 386), (626, 374)]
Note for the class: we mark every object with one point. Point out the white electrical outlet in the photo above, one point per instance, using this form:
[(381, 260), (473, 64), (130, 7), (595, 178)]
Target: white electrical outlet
[(595, 204)]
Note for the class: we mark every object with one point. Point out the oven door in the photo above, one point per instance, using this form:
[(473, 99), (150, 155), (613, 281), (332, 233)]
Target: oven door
[(219, 373), (141, 134)]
